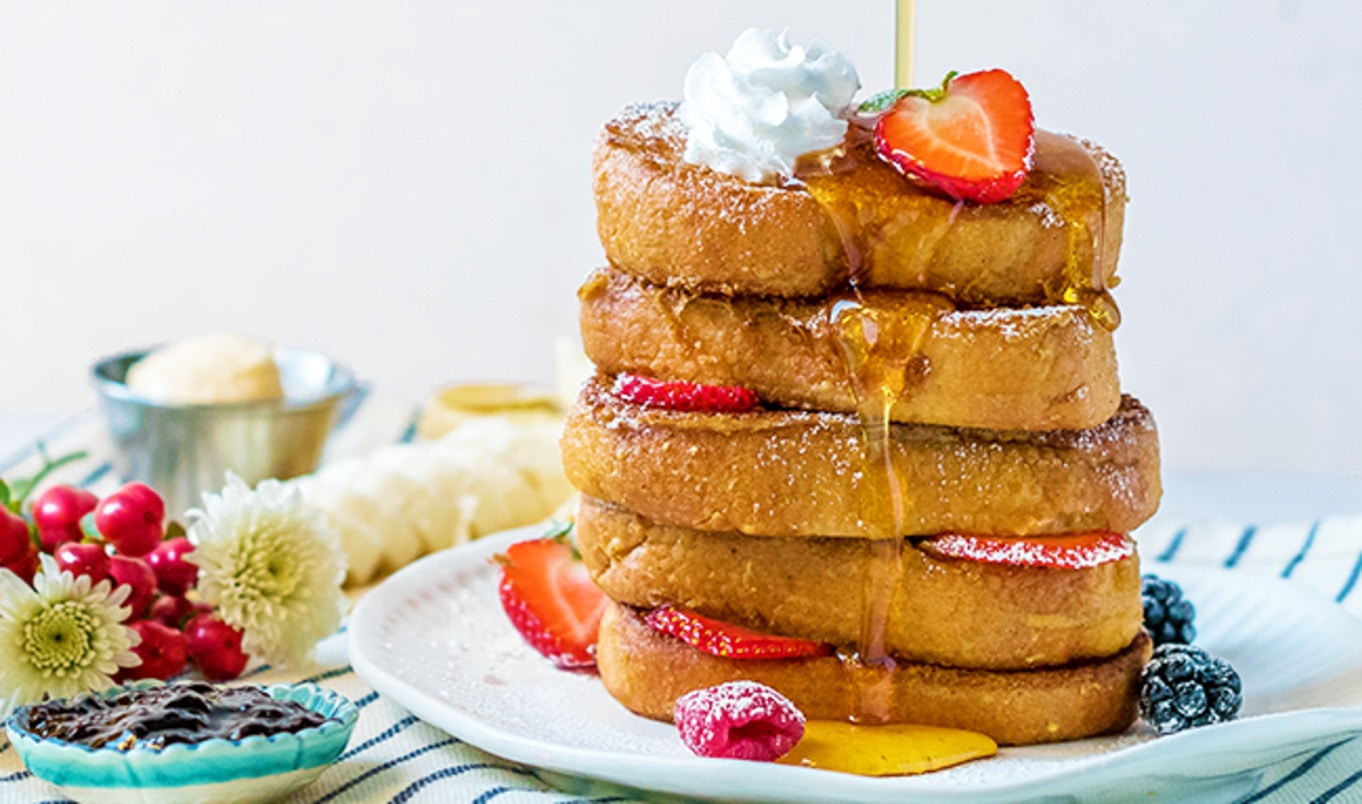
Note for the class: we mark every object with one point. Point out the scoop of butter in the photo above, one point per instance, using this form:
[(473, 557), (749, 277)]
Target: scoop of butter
[(215, 368)]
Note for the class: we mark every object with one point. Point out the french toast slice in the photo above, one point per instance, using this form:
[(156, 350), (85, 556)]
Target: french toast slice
[(647, 671), (679, 224), (1037, 368), (942, 610), (798, 473)]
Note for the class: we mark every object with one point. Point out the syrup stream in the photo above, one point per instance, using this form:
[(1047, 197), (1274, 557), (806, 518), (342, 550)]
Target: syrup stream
[(876, 353), (905, 21)]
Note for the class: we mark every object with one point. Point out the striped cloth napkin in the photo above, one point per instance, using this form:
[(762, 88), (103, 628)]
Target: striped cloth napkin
[(394, 757)]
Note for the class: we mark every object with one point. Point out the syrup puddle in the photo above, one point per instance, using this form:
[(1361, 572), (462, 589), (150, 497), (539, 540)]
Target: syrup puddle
[(895, 750)]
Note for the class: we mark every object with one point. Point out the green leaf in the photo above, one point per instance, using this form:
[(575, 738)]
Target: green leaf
[(4, 494), (880, 102), (174, 530), (557, 530), (561, 532)]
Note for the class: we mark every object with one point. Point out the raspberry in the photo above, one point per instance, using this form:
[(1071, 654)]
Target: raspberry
[(738, 720), (1167, 616), (685, 396), (1184, 686)]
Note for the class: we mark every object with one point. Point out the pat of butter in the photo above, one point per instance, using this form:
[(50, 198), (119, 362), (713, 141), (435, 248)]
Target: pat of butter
[(210, 369)]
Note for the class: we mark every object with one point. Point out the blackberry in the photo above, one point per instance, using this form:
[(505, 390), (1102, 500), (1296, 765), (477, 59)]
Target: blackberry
[(1167, 616), (1184, 686)]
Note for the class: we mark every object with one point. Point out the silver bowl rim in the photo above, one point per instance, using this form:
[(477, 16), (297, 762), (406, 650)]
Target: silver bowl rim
[(341, 383)]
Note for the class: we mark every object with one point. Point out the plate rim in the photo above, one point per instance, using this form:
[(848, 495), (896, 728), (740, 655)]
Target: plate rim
[(1307, 726)]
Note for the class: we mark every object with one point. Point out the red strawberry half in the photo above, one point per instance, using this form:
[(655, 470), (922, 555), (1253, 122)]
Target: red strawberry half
[(551, 600), (972, 138), (730, 641), (685, 396), (1063, 551)]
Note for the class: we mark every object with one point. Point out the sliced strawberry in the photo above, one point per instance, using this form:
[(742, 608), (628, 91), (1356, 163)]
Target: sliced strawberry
[(551, 600), (730, 641), (1065, 551), (972, 138), (685, 396)]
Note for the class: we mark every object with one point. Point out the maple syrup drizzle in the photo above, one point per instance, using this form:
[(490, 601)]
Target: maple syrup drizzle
[(891, 227), (876, 351), (893, 750), (1069, 183)]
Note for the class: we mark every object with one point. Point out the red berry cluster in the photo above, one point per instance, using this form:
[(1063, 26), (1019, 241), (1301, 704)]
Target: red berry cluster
[(124, 539)]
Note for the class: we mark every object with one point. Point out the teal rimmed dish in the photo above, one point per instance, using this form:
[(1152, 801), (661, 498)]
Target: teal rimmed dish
[(256, 768)]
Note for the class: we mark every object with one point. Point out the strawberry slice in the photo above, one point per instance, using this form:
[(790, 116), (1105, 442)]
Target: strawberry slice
[(1064, 551), (730, 641), (551, 600), (685, 396), (972, 138)]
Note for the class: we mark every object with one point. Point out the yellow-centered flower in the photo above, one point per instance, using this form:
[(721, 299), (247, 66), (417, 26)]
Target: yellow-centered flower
[(62, 636), (272, 566)]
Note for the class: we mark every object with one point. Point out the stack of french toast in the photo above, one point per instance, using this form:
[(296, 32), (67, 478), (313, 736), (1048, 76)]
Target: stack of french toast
[(860, 441)]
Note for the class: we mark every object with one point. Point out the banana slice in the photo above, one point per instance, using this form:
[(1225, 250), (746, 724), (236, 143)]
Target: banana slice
[(487, 473), (363, 548), (432, 513)]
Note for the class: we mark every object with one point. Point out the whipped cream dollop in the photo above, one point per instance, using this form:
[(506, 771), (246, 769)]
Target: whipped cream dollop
[(755, 111)]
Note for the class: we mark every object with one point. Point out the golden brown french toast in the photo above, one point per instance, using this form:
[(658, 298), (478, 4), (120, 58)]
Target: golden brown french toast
[(797, 473), (942, 610), (647, 671), (679, 224), (1038, 368)]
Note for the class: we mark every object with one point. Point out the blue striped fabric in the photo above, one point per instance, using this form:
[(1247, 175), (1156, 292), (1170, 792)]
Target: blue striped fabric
[(395, 757)]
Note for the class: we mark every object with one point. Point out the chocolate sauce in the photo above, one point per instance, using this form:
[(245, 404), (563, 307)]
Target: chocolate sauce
[(189, 712)]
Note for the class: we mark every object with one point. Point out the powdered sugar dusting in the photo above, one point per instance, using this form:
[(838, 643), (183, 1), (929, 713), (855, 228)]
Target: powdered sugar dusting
[(739, 720)]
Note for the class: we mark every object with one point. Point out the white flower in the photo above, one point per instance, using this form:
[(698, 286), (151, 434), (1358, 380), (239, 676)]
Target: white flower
[(271, 566), (62, 636)]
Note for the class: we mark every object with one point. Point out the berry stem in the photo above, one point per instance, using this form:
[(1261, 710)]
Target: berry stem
[(14, 495)]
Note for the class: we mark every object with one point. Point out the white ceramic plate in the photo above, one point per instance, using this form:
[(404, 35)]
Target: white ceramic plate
[(433, 638)]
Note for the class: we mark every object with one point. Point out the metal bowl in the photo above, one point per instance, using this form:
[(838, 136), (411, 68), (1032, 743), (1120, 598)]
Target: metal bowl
[(184, 450)]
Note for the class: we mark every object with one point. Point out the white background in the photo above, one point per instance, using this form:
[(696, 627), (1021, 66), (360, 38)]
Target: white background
[(406, 184)]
